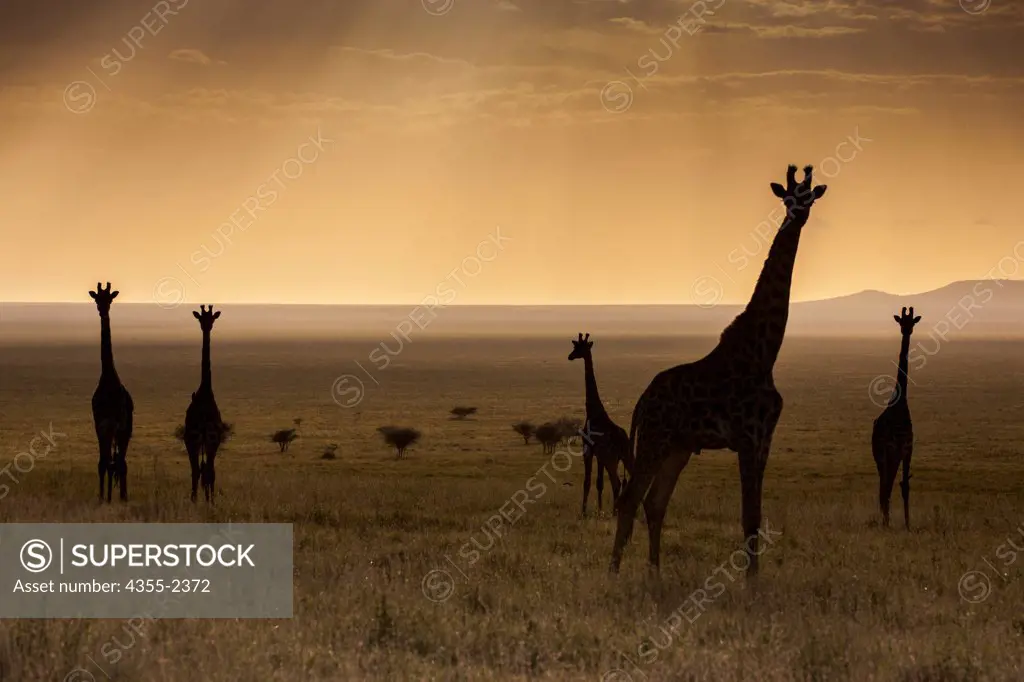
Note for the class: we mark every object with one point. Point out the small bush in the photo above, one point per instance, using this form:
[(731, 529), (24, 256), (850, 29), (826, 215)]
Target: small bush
[(284, 438), (549, 435), (526, 430), (227, 430), (462, 412), (399, 438)]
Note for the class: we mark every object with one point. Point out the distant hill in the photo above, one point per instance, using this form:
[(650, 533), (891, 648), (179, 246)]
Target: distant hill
[(970, 308)]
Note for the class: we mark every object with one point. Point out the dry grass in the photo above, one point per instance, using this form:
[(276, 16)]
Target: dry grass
[(839, 598)]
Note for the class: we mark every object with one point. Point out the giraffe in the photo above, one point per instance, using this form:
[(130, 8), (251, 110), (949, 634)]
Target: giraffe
[(203, 426), (112, 406), (603, 438), (726, 400), (892, 437)]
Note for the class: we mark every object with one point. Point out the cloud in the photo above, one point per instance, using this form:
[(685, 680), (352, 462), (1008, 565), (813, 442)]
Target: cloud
[(192, 56)]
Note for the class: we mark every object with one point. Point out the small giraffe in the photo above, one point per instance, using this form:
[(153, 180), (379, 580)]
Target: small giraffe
[(112, 406), (892, 437), (603, 438), (204, 429), (726, 400)]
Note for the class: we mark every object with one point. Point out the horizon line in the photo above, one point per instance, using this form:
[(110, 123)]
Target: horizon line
[(515, 305)]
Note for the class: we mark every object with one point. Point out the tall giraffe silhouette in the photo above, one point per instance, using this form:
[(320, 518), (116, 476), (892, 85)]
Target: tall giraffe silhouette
[(112, 406), (726, 400), (204, 429), (602, 437), (892, 437)]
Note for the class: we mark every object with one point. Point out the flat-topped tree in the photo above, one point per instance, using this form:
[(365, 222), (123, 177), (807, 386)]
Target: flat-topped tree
[(112, 406), (726, 400), (892, 436), (462, 412), (400, 438), (548, 435)]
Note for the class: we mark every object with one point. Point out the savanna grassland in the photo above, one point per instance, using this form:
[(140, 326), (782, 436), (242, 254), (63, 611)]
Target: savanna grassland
[(839, 597)]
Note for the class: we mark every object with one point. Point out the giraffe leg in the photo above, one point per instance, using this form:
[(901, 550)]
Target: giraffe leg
[(656, 503), (588, 468), (600, 486), (104, 462), (211, 474), (613, 479), (885, 484), (878, 452), (111, 468), (121, 462), (193, 460), (905, 487), (633, 492), (752, 465)]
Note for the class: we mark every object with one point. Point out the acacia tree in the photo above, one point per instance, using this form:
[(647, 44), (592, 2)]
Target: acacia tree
[(569, 429), (525, 429), (399, 438), (549, 436), (462, 412), (284, 438), (226, 431)]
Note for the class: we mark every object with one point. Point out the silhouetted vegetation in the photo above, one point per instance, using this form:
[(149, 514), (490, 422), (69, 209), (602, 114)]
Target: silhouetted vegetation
[(284, 438), (399, 438), (526, 430), (549, 435), (462, 412), (569, 430), (227, 430)]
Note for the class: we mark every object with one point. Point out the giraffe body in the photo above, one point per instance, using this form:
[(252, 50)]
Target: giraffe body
[(112, 407), (603, 439), (204, 428), (892, 435), (725, 400)]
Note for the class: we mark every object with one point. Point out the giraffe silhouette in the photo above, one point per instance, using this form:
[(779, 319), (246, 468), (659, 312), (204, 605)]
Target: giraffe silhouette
[(892, 437), (204, 429), (112, 406), (726, 400), (602, 437)]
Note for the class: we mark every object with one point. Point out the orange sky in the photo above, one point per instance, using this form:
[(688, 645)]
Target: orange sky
[(134, 131)]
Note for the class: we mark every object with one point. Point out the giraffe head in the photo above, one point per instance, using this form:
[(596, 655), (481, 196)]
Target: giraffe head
[(103, 298), (798, 196), (206, 317), (581, 347), (906, 321)]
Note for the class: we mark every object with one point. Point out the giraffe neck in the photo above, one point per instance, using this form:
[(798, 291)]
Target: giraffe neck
[(206, 384), (899, 394), (759, 330), (594, 406), (106, 347)]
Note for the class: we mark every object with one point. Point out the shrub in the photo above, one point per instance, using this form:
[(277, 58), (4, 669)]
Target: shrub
[(284, 438), (462, 412), (399, 438), (227, 430), (549, 435), (526, 430)]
